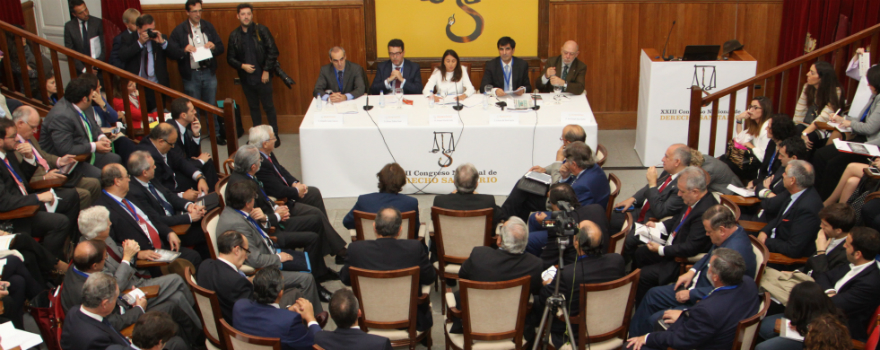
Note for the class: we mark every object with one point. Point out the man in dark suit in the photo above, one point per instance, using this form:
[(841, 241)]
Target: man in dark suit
[(54, 227), (592, 266), (570, 133), (345, 312), (70, 128), (18, 285), (189, 136), (153, 331), (129, 221), (389, 253), (160, 203), (263, 316), (173, 169), (224, 276), (128, 19), (78, 33), (685, 234), (792, 230), (725, 233), (507, 74), (145, 55), (711, 323), (392, 178), (720, 175), (466, 179), (346, 79), (565, 70), (397, 72), (90, 326), (771, 190), (659, 198)]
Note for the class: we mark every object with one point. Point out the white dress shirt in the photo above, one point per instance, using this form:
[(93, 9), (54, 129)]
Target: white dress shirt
[(451, 88)]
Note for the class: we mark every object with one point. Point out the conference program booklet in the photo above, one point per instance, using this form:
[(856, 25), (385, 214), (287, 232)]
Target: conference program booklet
[(651, 234), (166, 255), (857, 148)]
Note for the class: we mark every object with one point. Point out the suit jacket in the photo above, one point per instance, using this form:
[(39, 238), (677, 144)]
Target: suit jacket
[(12, 196), (269, 321), (770, 163), (493, 74), (711, 323), (664, 203), (738, 241), (130, 55), (82, 332), (71, 298), (117, 45), (352, 339), (372, 202), (260, 202), (411, 73), (720, 175), (73, 38), (185, 142), (141, 196), (51, 160), (857, 298), (820, 263), (177, 165), (486, 264), (592, 212), (470, 201), (776, 185), (181, 37), (575, 79), (230, 286), (63, 131), (126, 275), (124, 226), (796, 230), (272, 181), (591, 187), (691, 238), (261, 255), (353, 80)]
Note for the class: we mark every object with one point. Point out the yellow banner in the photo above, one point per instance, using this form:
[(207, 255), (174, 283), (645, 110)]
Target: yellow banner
[(470, 27)]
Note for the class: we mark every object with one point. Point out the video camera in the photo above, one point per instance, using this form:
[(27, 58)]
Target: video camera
[(561, 223)]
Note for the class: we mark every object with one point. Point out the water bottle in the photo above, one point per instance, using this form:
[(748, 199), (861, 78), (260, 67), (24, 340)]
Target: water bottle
[(320, 104), (431, 99), (381, 99)]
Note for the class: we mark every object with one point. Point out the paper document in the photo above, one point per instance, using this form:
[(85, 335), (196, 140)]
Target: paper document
[(549, 273), (166, 255), (13, 337), (651, 234), (96, 46), (745, 192), (540, 177), (132, 297), (5, 241), (839, 127), (785, 331), (345, 107), (50, 207), (202, 54), (857, 148)]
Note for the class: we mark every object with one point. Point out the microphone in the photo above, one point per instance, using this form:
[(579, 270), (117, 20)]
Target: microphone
[(458, 105), (535, 99), (367, 107), (667, 44)]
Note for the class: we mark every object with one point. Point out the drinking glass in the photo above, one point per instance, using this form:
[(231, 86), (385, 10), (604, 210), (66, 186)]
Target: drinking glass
[(328, 92), (398, 92), (557, 90)]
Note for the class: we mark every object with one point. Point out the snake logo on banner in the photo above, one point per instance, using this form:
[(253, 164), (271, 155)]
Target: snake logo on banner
[(478, 29)]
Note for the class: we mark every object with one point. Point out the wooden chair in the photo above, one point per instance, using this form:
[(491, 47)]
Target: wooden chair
[(606, 313), (220, 188), (209, 227), (208, 307), (229, 164), (747, 330), (456, 233), (614, 184), (615, 243), (601, 154), (236, 340), (388, 301), (742, 201), (363, 226), (762, 255), (729, 205), (488, 315)]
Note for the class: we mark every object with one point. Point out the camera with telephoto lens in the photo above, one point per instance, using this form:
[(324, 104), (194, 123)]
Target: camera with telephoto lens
[(284, 77), (151, 34), (561, 223)]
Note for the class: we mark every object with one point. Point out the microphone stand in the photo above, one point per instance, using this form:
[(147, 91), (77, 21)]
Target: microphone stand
[(367, 107), (458, 106), (535, 99), (667, 44)]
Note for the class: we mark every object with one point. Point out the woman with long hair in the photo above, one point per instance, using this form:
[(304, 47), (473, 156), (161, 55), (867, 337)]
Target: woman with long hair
[(819, 100), (807, 302), (449, 79), (746, 151)]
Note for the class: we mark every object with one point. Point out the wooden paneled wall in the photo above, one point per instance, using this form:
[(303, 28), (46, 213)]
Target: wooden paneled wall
[(30, 18)]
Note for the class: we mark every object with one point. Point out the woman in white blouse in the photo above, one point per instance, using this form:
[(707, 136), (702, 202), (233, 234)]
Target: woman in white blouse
[(449, 78)]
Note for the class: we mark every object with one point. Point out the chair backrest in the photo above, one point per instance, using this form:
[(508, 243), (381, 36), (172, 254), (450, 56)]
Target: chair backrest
[(762, 255), (601, 155), (464, 65), (220, 188), (457, 232), (494, 310), (615, 244), (236, 340), (208, 307), (387, 298), (873, 331), (606, 309), (363, 225), (729, 204), (209, 227), (614, 184), (747, 329)]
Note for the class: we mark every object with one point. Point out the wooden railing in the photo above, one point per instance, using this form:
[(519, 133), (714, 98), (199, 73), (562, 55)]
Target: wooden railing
[(8, 86), (778, 77)]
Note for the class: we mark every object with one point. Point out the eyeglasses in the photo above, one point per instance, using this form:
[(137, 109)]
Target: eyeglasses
[(169, 143), (395, 53), (245, 249)]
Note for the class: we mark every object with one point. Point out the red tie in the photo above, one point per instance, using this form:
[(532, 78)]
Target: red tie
[(672, 236), (15, 176), (154, 236), (40, 159), (396, 81), (276, 170), (648, 205)]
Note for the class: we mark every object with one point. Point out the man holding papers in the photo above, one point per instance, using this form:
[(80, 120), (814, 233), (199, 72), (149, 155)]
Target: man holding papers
[(80, 34)]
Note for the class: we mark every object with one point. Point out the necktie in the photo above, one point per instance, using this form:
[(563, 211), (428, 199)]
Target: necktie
[(672, 236), (107, 323), (564, 72), (169, 210), (87, 45), (15, 175), (339, 79), (40, 159), (648, 205), (396, 82), (506, 77), (276, 171), (154, 236), (266, 239)]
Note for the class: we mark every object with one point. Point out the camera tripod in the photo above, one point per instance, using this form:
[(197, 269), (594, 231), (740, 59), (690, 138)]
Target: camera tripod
[(555, 301)]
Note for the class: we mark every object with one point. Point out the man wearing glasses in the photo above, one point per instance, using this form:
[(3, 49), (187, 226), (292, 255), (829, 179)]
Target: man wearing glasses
[(173, 170), (565, 70), (397, 72)]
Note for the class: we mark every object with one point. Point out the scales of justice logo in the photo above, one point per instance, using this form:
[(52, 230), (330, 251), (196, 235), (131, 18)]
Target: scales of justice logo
[(704, 77), (478, 19), (444, 143)]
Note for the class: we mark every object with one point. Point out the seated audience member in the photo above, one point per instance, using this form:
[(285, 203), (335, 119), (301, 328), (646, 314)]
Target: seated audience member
[(105, 116), (279, 183), (397, 72), (120, 262), (95, 324), (592, 266), (173, 169), (819, 99), (167, 207), (70, 128), (51, 88), (345, 311), (345, 78), (53, 227), (836, 222), (779, 128), (827, 333), (806, 303), (711, 323), (263, 316), (16, 286), (186, 122), (685, 234), (130, 222), (773, 187), (871, 214), (392, 178), (579, 170), (849, 182), (240, 215), (547, 249), (282, 217), (153, 331), (659, 198), (792, 230), (224, 276), (128, 89), (565, 70), (570, 133), (726, 234), (720, 176), (449, 79), (465, 197), (751, 137), (42, 265), (387, 252), (508, 262), (508, 74), (27, 121)]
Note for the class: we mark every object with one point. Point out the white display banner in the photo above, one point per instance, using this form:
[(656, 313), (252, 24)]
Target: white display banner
[(664, 102), (343, 160)]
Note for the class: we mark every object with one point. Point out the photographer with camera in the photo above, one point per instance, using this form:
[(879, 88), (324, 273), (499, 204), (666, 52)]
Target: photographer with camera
[(199, 76), (144, 55)]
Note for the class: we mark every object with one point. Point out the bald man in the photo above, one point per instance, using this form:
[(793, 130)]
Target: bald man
[(565, 70)]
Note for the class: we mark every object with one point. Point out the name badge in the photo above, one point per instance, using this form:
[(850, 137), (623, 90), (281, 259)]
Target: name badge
[(574, 118), (443, 120), (329, 120), (393, 120), (504, 119)]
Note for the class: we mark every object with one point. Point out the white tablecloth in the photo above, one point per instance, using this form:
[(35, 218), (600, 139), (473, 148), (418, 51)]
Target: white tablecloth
[(342, 159)]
